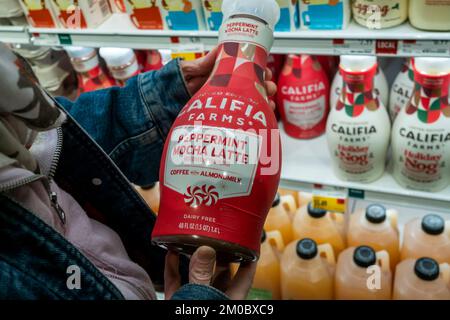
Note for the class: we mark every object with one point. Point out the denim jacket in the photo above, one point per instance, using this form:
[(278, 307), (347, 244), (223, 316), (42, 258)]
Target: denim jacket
[(112, 137)]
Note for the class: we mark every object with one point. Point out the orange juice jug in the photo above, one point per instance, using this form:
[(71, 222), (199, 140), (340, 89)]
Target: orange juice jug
[(307, 271), (266, 283), (362, 274), (319, 225), (375, 227), (278, 217), (422, 279), (429, 237)]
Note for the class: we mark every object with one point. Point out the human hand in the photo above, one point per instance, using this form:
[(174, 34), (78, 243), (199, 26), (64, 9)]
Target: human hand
[(204, 270), (196, 73)]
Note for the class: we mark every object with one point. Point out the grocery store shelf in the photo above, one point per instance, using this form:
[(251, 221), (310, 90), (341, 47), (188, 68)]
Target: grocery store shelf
[(118, 30), (14, 34), (307, 163)]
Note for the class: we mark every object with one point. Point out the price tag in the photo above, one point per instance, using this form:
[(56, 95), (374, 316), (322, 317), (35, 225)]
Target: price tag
[(46, 39), (188, 52), (425, 47), (330, 198), (364, 47)]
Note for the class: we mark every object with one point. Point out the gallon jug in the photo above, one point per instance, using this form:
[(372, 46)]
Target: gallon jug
[(380, 14), (278, 217), (303, 97), (381, 88), (427, 237), (362, 274), (421, 132), (319, 225), (375, 227), (216, 188), (307, 271), (121, 62), (402, 89), (266, 283), (358, 128), (422, 279), (433, 15), (151, 195)]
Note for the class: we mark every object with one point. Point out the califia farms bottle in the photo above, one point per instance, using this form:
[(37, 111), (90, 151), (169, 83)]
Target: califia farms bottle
[(221, 162), (358, 128)]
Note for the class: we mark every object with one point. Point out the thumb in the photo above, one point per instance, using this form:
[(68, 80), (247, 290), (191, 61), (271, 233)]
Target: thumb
[(201, 267)]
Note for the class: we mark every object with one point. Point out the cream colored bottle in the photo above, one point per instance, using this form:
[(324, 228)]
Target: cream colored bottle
[(402, 89), (307, 271), (376, 227), (433, 15), (355, 272), (380, 14), (279, 218), (421, 132), (422, 279), (358, 128)]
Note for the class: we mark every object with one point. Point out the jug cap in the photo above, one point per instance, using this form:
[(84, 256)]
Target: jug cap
[(267, 10), (263, 236), (376, 213), (116, 57), (79, 52), (276, 201), (432, 66), (316, 212), (427, 269), (364, 256), (433, 224), (357, 63), (306, 249)]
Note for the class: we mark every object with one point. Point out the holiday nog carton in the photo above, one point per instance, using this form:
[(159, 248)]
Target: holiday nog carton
[(221, 161), (76, 14)]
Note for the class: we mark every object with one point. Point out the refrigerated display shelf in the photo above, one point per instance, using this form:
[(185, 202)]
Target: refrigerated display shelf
[(14, 34), (307, 164), (118, 30)]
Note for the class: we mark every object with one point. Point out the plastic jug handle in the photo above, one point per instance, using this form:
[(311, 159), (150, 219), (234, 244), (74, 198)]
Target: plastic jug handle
[(339, 218), (445, 272), (327, 250), (288, 203), (383, 260), (392, 214), (275, 239)]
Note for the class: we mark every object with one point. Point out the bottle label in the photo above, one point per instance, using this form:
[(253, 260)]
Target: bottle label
[(402, 90), (305, 115)]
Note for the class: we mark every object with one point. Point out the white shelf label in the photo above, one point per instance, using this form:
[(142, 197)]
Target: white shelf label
[(341, 46), (45, 39), (425, 47)]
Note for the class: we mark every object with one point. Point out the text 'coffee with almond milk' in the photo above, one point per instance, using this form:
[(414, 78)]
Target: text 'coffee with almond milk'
[(221, 162)]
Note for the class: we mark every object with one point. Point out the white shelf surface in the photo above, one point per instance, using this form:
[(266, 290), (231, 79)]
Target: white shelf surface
[(308, 162), (119, 31), (14, 34)]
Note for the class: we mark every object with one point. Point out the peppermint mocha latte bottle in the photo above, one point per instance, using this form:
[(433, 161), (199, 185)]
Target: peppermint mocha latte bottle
[(421, 132), (221, 162), (358, 128)]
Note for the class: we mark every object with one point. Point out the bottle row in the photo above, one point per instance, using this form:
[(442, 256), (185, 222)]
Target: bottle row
[(207, 14), (308, 253)]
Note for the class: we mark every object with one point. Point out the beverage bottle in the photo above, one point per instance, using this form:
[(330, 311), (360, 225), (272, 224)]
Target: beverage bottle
[(275, 63), (278, 217), (427, 237), (121, 62), (307, 271), (381, 88), (149, 60), (151, 195), (422, 279), (421, 132), (267, 277), (319, 225), (358, 128), (380, 14), (402, 89), (90, 74), (303, 97), (330, 64), (376, 227), (216, 189), (430, 15), (355, 272)]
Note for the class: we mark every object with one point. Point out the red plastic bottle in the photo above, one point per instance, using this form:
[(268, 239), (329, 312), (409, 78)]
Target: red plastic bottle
[(303, 97), (221, 162)]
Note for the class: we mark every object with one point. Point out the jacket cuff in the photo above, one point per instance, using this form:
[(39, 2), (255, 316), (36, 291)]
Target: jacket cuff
[(198, 292), (164, 93)]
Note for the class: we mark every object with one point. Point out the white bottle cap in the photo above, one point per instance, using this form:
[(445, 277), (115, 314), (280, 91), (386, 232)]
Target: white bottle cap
[(357, 63), (432, 66), (116, 57), (79, 52), (267, 10)]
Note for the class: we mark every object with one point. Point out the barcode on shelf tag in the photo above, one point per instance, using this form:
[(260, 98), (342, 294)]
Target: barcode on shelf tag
[(425, 47), (330, 198), (188, 52), (46, 39), (350, 46)]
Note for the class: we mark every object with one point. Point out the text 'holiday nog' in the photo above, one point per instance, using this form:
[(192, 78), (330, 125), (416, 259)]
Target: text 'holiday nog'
[(221, 162)]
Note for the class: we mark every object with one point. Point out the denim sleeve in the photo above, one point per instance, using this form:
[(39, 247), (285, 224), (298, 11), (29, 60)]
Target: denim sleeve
[(131, 123), (198, 292)]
